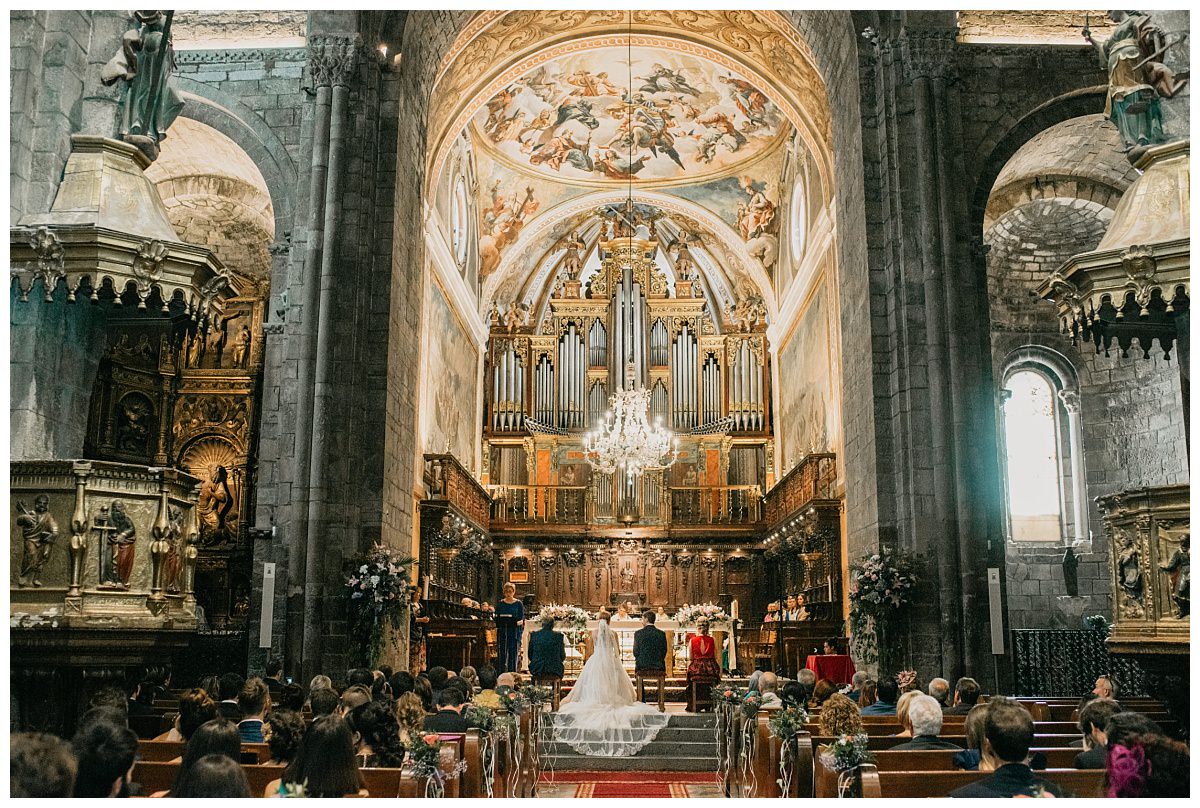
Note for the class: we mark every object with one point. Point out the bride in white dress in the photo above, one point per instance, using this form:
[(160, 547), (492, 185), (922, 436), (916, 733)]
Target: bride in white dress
[(601, 715)]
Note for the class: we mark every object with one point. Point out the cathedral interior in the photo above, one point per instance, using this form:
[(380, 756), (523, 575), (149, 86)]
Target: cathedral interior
[(289, 287)]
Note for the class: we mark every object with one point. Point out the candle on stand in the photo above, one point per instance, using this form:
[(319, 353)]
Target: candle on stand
[(733, 609)]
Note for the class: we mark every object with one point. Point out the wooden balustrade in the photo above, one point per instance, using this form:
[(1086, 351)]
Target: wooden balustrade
[(813, 478), (650, 503)]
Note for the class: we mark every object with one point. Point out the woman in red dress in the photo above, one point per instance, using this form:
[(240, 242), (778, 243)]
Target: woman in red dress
[(703, 667)]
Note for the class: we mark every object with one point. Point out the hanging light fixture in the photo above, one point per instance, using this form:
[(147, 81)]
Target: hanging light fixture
[(625, 441)]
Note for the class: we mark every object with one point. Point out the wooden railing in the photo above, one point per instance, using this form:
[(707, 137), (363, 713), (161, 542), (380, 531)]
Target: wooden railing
[(648, 503), (814, 478)]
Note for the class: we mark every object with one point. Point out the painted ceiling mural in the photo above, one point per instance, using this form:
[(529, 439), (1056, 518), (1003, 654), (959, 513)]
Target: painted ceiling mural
[(615, 114)]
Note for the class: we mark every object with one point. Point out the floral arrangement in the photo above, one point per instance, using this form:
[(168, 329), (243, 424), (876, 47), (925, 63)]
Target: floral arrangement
[(1097, 622), (480, 718), (846, 753), (513, 700), (882, 586), (787, 722), (377, 585), (690, 615), (571, 617), (726, 694), (537, 696), (425, 752), (751, 702)]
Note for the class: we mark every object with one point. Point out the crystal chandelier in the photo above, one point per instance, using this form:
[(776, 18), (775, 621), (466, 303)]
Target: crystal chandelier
[(625, 440)]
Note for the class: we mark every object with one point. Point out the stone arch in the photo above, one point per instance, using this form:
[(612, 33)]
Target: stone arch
[(226, 114), (1014, 132)]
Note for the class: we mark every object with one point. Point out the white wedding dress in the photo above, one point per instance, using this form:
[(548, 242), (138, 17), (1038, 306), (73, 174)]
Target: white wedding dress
[(601, 716)]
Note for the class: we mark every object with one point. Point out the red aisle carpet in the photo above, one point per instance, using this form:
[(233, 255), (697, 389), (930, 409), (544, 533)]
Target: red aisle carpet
[(634, 784)]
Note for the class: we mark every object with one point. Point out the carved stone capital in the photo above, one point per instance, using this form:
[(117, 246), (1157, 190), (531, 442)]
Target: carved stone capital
[(332, 59), (1070, 400), (927, 54)]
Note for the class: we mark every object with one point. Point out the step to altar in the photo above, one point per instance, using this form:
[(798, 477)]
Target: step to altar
[(688, 744)]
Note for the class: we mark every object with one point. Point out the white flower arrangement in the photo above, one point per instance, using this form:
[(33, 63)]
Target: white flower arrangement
[(570, 617), (689, 615)]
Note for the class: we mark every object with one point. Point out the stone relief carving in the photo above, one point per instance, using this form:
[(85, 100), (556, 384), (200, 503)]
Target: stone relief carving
[(117, 538), (39, 531)]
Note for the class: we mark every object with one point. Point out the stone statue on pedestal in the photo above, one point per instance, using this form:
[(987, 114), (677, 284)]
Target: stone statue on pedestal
[(145, 62), (1070, 565)]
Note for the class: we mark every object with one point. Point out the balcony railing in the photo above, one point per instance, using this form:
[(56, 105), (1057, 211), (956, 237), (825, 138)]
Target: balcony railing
[(646, 502)]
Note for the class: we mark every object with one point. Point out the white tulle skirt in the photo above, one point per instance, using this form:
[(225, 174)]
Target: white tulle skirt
[(600, 716)]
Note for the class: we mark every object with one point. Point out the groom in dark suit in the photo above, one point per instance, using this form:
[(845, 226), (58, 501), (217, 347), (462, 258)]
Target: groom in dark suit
[(649, 646), (547, 651)]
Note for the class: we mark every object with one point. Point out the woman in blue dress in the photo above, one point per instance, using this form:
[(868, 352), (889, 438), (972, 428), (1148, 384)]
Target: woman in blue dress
[(510, 622)]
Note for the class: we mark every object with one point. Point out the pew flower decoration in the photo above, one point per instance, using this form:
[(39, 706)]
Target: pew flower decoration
[(846, 753), (785, 723), (726, 694), (537, 696), (377, 586), (751, 703), (570, 617), (425, 752), (689, 615), (480, 718), (882, 587), (513, 700)]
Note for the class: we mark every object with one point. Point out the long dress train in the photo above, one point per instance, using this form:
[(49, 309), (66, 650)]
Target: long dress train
[(601, 716)]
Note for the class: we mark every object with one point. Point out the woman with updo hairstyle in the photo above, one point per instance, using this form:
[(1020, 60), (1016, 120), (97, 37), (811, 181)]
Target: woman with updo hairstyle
[(325, 764), (866, 696), (1148, 765), (213, 776), (410, 714), (902, 705), (822, 691), (287, 729), (377, 736), (840, 716), (196, 707), (216, 737)]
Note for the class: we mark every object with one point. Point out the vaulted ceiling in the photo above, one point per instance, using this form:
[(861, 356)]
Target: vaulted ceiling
[(709, 123)]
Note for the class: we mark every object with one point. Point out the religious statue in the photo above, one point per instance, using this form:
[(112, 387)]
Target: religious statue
[(626, 577), (1129, 571), (1070, 565), (1178, 567), (748, 311), (133, 424), (572, 263), (213, 507), (241, 348), (685, 265), (38, 534), (517, 314), (145, 63), (173, 563), (117, 543), (1137, 78)]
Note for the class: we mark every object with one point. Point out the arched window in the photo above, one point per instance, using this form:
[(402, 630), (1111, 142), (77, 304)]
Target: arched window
[(1034, 479), (1045, 489)]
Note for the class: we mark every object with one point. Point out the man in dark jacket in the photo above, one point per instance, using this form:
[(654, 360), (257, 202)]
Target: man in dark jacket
[(449, 717), (924, 720), (1092, 720), (1008, 734), (649, 646), (547, 651), (966, 696), (229, 687)]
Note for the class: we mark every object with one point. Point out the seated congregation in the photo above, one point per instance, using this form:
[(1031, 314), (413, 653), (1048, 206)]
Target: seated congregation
[(475, 734)]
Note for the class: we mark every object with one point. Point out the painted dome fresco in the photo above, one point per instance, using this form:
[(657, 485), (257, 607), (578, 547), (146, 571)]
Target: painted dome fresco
[(613, 114)]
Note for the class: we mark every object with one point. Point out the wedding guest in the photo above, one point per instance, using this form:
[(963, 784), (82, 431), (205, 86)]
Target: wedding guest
[(437, 676), (703, 669), (195, 709), (449, 716), (470, 676), (768, 686), (291, 697), (908, 681), (793, 694), (822, 691), (792, 611), (902, 704), (273, 674), (487, 696), (402, 682), (211, 686), (410, 715), (323, 702), (807, 680), (1093, 719), (939, 688), (830, 647), (425, 693), (213, 776), (254, 701), (923, 720), (649, 646), (772, 615), (320, 682), (839, 717), (352, 697), (1149, 765), (1106, 687), (867, 692), (287, 728), (105, 753), (1008, 735), (856, 683), (228, 687), (547, 651), (510, 622), (216, 737), (966, 695), (40, 765), (970, 758), (886, 693), (325, 765), (376, 734)]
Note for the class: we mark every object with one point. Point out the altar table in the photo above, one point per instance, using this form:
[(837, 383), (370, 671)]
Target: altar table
[(625, 629), (837, 668)]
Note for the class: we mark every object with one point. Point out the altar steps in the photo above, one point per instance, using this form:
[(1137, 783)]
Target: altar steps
[(687, 744)]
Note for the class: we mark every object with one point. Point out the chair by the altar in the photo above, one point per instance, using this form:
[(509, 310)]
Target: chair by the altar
[(700, 694), (660, 680), (552, 682)]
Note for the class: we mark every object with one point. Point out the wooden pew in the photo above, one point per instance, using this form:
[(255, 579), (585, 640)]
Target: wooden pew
[(1081, 783), (768, 759), (157, 751)]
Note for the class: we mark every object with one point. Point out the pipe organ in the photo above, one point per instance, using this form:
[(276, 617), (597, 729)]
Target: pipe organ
[(552, 379)]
